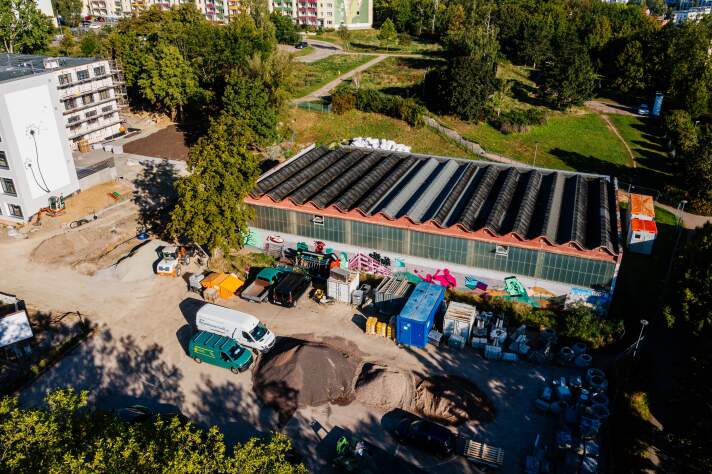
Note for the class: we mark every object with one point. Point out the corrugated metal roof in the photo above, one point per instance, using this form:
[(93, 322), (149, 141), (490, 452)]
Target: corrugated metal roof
[(562, 207)]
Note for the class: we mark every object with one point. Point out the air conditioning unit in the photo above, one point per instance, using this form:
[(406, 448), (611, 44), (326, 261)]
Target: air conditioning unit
[(501, 250)]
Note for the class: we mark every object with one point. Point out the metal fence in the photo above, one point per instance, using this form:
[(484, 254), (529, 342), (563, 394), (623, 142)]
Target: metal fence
[(315, 106)]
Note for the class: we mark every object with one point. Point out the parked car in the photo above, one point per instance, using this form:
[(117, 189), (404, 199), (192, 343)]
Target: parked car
[(426, 435), (290, 288), (301, 45), (643, 110), (219, 350), (258, 290)]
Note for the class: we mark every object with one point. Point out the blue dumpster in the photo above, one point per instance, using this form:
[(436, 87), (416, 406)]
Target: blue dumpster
[(418, 315)]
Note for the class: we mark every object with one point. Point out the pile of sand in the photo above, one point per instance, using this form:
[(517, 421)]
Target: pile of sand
[(450, 399), (298, 373), (90, 248), (137, 265), (383, 388)]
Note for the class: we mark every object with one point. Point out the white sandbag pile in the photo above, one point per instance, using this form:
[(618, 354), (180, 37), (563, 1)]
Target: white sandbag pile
[(379, 144)]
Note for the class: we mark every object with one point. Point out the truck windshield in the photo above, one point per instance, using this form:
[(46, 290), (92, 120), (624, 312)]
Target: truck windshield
[(258, 332), (236, 352)]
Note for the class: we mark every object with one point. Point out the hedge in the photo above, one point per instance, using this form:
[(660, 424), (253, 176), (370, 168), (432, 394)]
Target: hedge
[(347, 98)]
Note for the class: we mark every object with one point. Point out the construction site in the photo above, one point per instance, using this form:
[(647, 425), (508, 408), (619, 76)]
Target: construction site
[(365, 347)]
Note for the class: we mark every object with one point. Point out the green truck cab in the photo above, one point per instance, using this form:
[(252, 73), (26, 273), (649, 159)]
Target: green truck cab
[(219, 350)]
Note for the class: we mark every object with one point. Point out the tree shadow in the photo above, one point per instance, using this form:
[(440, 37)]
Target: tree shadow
[(192, 130), (155, 195), (527, 94)]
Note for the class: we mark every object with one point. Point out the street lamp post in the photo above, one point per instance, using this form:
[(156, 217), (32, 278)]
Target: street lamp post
[(643, 323)]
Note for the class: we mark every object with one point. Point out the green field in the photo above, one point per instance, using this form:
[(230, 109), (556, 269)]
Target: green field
[(306, 78), (580, 142), (325, 128), (367, 41), (398, 76)]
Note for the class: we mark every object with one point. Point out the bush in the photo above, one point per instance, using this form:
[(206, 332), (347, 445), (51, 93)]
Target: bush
[(518, 120), (346, 98), (581, 323)]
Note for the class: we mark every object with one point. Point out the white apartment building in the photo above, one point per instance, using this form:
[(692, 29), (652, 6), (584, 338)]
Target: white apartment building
[(355, 14), (90, 92), (214, 10), (35, 157), (691, 14)]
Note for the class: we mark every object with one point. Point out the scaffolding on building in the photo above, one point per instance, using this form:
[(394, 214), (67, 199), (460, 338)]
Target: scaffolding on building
[(119, 84)]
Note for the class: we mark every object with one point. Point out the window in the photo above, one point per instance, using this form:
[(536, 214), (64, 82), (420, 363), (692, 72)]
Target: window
[(107, 108), (93, 121), (99, 71), (103, 95), (3, 161), (636, 236), (91, 113), (15, 210), (74, 118), (65, 79), (70, 104), (83, 75), (87, 99), (501, 250), (8, 187)]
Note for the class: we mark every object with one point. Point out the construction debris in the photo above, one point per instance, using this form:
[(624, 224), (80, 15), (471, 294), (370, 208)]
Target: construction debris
[(378, 144)]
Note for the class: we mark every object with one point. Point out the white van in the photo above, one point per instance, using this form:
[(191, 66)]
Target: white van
[(242, 327)]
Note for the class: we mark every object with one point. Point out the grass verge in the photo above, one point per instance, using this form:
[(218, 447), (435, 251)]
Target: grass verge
[(325, 128), (367, 41), (399, 76), (306, 78)]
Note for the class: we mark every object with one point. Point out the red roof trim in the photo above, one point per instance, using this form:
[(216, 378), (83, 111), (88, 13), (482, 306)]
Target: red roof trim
[(457, 230)]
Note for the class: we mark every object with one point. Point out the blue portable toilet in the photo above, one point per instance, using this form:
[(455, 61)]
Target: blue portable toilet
[(418, 315)]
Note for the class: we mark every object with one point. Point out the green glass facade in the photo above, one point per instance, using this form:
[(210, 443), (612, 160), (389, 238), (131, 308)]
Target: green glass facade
[(534, 263)]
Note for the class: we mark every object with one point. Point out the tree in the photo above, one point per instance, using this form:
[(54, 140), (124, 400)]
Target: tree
[(91, 45), (210, 208), (69, 10), (630, 67), (68, 436), (345, 36), (690, 306), (284, 29), (168, 81), (23, 27), (387, 34), (248, 99), (568, 78), (68, 44)]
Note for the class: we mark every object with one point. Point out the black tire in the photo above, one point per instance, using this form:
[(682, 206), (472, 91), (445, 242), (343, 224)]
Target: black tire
[(235, 370), (178, 271), (197, 360)]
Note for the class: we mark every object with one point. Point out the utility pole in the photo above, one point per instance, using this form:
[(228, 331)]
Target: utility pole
[(643, 323)]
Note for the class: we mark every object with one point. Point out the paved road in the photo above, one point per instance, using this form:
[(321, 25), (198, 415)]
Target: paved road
[(322, 49), (611, 108), (325, 89), (689, 221)]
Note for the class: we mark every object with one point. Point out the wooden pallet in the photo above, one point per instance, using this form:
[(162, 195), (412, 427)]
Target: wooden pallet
[(483, 453)]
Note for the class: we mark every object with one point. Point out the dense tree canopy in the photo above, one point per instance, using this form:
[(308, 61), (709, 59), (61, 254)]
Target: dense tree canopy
[(68, 437), (70, 11), (23, 27), (210, 209)]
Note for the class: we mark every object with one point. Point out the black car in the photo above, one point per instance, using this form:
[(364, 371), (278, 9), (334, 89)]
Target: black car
[(301, 45), (426, 435)]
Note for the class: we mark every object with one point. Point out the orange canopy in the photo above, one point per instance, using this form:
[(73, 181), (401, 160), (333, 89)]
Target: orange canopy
[(642, 205), (641, 225)]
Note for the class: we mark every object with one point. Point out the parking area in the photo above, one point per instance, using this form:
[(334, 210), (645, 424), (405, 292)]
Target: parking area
[(138, 355)]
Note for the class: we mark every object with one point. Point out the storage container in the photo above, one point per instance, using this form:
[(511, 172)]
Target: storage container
[(339, 287), (390, 295), (418, 315)]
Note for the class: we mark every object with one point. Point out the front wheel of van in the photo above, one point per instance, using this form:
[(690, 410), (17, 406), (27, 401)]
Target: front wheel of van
[(198, 361), (234, 370)]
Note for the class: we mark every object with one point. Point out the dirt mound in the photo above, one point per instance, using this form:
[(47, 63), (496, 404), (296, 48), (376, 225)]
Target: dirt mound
[(450, 399), (383, 388), (137, 265), (88, 249), (298, 373)]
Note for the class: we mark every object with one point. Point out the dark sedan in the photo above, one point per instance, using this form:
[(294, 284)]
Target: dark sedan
[(301, 45), (426, 435)]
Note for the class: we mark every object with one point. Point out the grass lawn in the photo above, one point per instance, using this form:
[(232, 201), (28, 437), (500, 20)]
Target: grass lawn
[(325, 128), (579, 142), (304, 51), (307, 78), (397, 75), (367, 41), (646, 142)]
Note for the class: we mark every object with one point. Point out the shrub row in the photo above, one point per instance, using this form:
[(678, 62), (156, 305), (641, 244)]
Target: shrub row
[(369, 100), (518, 120)]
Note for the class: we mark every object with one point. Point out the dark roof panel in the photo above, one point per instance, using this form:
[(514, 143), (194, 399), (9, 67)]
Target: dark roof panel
[(560, 206)]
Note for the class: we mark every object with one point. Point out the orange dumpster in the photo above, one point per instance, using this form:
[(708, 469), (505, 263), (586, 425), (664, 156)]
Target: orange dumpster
[(213, 280), (229, 285)]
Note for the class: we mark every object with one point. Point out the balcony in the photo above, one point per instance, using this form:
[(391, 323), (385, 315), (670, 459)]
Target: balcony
[(87, 130)]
